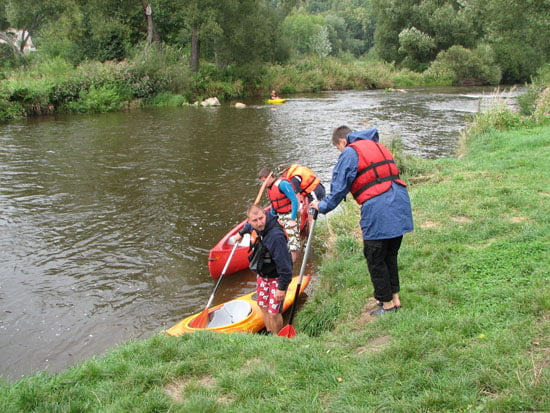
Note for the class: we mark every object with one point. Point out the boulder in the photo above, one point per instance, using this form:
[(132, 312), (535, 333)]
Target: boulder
[(210, 102)]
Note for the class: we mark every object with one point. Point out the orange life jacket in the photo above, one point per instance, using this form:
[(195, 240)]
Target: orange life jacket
[(279, 201), (376, 170), (308, 179)]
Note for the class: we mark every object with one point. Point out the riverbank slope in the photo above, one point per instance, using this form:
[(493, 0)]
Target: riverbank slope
[(472, 334)]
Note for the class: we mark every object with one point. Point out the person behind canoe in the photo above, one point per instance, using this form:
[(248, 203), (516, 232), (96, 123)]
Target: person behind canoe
[(367, 169), (285, 205), (274, 96), (271, 261), (305, 184)]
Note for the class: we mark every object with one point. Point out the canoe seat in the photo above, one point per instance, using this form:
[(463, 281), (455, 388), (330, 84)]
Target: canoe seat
[(231, 313)]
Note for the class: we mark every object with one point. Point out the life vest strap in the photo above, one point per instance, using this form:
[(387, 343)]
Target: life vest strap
[(375, 165), (375, 182)]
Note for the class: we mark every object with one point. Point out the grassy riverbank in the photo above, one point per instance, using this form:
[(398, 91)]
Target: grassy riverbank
[(472, 334)]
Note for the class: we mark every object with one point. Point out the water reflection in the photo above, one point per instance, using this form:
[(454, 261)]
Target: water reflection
[(106, 220)]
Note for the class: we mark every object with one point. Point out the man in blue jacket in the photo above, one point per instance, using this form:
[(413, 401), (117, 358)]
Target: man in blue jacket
[(271, 261), (367, 169)]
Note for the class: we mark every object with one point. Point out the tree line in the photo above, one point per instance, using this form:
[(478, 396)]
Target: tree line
[(509, 39)]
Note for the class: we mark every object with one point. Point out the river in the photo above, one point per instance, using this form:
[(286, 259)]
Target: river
[(106, 220)]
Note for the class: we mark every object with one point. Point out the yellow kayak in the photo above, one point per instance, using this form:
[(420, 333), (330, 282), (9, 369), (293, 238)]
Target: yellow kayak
[(276, 101), (241, 315)]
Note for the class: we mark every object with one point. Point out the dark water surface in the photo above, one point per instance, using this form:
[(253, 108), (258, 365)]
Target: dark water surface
[(106, 220)]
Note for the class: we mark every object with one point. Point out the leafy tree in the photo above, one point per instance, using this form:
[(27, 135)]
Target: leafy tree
[(249, 32), (519, 33), (320, 43), (30, 15), (302, 28), (417, 47), (360, 24)]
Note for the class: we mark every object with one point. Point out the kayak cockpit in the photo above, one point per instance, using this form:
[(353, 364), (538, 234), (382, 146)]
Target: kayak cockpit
[(230, 313)]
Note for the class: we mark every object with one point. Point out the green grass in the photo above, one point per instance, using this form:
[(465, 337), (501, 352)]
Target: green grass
[(472, 335)]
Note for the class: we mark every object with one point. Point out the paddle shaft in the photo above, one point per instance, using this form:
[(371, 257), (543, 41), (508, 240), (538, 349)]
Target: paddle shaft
[(262, 189), (302, 269), (222, 274)]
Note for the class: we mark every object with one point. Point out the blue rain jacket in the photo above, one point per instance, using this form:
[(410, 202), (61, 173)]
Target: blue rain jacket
[(385, 216)]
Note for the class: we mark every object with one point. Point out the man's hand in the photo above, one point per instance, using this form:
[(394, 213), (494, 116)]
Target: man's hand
[(314, 205), (280, 295)]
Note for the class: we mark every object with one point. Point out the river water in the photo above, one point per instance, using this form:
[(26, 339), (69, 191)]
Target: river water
[(106, 220)]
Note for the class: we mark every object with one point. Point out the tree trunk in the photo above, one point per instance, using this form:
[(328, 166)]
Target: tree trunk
[(12, 42), (195, 51), (152, 34)]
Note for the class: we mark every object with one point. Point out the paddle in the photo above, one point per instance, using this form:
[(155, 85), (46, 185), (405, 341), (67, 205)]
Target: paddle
[(201, 321), (262, 189), (288, 330)]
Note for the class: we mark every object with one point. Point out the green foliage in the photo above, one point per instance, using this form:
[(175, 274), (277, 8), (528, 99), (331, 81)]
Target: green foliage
[(466, 67), (7, 57), (8, 109), (519, 34), (109, 41), (528, 100), (320, 43), (302, 28), (167, 99), (499, 116), (417, 47), (102, 99)]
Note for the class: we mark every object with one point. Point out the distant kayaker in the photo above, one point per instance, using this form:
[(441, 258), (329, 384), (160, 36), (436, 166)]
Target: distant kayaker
[(271, 261), (285, 205), (367, 169), (273, 95)]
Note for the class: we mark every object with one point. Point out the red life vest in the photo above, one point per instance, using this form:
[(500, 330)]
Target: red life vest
[(308, 179), (279, 201), (376, 170)]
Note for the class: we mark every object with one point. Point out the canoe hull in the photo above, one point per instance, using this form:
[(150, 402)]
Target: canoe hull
[(250, 324), (219, 254)]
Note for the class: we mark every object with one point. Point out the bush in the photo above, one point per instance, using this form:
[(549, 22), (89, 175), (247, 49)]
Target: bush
[(8, 109), (528, 100), (465, 66), (542, 109), (167, 99), (103, 99)]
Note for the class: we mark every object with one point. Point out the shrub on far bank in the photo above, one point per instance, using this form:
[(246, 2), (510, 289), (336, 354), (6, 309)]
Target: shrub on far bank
[(466, 67)]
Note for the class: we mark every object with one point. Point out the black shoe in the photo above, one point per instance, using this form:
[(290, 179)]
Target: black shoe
[(382, 311)]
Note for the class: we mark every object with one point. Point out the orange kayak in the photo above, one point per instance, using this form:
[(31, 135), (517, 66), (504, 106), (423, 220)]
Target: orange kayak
[(241, 315)]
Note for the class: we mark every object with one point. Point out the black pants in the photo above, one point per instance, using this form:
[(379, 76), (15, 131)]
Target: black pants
[(381, 258)]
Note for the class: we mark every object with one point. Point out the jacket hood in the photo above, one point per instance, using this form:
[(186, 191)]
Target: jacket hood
[(368, 134), (271, 221)]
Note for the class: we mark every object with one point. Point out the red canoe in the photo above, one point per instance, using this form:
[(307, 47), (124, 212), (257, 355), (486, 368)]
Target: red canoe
[(219, 254)]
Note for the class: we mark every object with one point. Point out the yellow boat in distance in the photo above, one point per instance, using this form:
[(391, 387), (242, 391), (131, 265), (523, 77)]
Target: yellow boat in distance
[(276, 101), (241, 315)]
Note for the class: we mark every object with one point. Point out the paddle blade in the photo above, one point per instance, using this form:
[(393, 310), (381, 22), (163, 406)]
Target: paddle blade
[(201, 321), (287, 331)]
